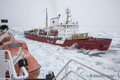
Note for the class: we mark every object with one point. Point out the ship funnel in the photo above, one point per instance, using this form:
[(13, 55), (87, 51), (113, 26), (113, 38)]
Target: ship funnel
[(54, 21)]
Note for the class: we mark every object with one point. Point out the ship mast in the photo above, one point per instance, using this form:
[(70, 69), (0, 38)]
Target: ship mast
[(67, 19), (46, 18)]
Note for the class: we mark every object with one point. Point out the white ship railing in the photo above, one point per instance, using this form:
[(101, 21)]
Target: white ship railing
[(9, 66), (67, 73)]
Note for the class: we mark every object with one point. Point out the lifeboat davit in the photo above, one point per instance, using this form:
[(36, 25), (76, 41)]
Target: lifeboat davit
[(4, 34), (32, 66), (53, 31)]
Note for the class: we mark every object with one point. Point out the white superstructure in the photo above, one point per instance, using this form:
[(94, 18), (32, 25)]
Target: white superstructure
[(65, 31)]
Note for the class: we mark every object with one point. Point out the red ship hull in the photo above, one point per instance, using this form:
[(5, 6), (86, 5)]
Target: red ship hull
[(88, 44)]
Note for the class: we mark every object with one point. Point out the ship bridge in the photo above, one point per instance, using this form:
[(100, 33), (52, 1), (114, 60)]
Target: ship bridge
[(70, 26), (67, 31)]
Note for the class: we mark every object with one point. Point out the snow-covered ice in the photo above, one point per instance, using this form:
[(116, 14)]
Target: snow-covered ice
[(53, 57), (100, 18)]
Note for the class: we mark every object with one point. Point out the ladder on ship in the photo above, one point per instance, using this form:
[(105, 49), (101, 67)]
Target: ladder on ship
[(7, 65), (67, 73)]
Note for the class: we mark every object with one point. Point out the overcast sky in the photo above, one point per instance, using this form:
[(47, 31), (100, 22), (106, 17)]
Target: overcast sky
[(89, 13)]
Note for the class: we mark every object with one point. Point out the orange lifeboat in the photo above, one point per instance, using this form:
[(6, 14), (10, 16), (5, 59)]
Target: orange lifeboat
[(53, 31), (32, 66)]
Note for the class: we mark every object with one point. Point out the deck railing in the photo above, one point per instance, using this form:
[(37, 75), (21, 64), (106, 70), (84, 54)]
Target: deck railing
[(9, 66), (67, 73)]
